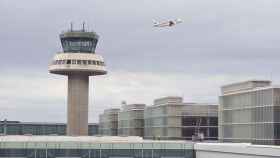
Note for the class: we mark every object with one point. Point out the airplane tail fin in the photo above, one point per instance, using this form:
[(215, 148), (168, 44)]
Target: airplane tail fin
[(155, 22)]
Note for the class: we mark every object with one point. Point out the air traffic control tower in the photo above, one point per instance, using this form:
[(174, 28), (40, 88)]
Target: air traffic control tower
[(78, 61)]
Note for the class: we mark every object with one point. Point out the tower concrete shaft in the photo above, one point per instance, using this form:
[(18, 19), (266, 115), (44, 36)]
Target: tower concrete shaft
[(77, 108)]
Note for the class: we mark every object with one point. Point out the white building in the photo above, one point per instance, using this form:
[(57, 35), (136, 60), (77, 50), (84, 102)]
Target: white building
[(108, 122), (171, 118), (131, 120), (250, 112)]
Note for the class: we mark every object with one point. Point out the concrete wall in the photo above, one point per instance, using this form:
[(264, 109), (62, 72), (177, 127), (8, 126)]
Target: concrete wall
[(77, 109)]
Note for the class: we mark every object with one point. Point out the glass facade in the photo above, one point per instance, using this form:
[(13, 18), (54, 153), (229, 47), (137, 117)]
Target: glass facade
[(88, 149), (96, 153), (79, 41), (131, 120), (173, 119), (79, 62), (108, 122), (23, 128), (206, 125), (250, 116), (73, 45)]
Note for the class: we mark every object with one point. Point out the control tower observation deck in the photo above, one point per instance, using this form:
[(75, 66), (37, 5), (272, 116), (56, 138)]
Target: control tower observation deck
[(78, 61)]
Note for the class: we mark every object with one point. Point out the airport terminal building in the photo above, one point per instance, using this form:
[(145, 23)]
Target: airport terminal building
[(125, 147), (249, 112), (91, 147)]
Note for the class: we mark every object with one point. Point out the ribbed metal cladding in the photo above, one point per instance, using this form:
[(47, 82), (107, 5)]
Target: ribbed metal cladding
[(77, 109), (249, 116)]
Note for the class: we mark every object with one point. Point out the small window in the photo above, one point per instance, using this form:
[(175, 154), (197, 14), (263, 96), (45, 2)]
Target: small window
[(63, 62), (89, 62), (74, 61), (68, 62), (97, 63), (93, 62), (79, 62), (59, 61), (84, 62)]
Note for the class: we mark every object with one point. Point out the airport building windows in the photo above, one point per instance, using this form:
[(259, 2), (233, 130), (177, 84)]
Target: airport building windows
[(22, 128), (177, 120), (249, 115), (77, 45)]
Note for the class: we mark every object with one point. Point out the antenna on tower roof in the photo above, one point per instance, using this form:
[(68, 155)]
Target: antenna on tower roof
[(71, 26), (83, 26)]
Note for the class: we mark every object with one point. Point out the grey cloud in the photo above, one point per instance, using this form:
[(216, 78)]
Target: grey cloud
[(233, 38)]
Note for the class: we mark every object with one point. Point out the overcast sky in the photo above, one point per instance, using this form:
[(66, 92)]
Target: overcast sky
[(220, 42)]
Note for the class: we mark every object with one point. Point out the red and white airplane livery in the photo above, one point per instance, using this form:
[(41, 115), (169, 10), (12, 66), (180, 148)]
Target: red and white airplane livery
[(168, 23)]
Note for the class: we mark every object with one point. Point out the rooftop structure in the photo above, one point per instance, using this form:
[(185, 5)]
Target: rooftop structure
[(243, 86), (249, 112), (78, 61)]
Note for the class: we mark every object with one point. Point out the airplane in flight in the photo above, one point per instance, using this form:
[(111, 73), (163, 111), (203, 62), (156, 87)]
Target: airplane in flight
[(168, 23)]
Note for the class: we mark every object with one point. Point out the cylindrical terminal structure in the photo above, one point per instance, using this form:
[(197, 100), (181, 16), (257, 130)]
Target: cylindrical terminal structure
[(77, 101), (78, 61)]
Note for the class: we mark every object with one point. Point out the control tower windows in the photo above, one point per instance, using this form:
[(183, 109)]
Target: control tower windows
[(75, 45), (79, 62)]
